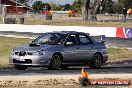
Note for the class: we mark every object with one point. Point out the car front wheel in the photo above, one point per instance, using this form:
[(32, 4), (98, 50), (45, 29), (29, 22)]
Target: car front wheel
[(56, 62), (20, 67), (96, 61)]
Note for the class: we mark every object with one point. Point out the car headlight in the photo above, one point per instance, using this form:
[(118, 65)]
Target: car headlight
[(12, 52), (39, 52)]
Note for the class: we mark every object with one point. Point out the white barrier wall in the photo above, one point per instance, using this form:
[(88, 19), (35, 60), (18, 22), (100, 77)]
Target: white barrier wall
[(107, 31)]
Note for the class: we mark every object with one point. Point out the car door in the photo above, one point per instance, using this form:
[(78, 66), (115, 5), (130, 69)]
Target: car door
[(86, 47), (71, 50)]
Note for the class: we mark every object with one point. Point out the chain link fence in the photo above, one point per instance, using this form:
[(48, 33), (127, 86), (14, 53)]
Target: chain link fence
[(15, 18), (0, 8), (113, 17)]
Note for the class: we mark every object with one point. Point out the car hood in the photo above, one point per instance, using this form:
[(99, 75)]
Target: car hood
[(34, 48)]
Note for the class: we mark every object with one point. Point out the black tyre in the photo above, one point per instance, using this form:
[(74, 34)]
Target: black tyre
[(96, 61), (56, 62), (64, 67), (20, 67)]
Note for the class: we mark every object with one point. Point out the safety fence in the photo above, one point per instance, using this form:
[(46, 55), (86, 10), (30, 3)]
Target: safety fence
[(94, 31), (98, 17), (68, 17)]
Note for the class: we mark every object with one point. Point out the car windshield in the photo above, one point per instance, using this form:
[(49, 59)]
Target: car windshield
[(50, 39)]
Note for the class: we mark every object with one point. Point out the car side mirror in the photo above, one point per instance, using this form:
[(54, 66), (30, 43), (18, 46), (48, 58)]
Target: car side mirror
[(69, 44)]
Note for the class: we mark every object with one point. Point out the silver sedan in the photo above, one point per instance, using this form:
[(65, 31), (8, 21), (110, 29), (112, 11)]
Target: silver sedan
[(57, 50)]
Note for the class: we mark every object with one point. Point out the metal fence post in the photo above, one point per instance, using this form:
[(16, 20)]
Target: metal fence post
[(0, 7), (22, 20), (4, 14)]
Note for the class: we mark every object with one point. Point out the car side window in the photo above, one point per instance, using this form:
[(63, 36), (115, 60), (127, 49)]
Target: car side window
[(72, 38), (84, 40)]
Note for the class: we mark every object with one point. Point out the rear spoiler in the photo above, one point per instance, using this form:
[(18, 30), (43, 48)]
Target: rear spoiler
[(103, 39), (100, 38)]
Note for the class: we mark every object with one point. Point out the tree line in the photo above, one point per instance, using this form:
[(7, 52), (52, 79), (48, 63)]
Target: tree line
[(87, 7)]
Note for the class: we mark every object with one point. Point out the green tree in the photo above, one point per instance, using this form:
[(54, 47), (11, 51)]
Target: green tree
[(117, 8), (125, 3), (37, 6), (77, 6), (54, 6), (108, 6), (60, 8)]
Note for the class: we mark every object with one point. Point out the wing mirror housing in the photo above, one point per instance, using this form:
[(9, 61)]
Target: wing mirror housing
[(69, 44)]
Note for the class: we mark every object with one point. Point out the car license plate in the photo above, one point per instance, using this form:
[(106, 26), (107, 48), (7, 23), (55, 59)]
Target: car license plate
[(20, 59)]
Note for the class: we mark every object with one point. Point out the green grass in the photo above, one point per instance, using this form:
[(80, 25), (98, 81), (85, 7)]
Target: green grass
[(8, 43), (118, 53), (74, 22), (0, 19)]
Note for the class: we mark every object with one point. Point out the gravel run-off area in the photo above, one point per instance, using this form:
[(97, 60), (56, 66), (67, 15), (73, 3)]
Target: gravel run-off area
[(56, 81)]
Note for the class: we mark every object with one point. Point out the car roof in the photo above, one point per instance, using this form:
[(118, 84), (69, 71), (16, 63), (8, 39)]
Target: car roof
[(66, 32)]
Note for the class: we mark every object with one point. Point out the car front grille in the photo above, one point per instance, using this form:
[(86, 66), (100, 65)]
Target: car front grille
[(23, 53), (27, 61)]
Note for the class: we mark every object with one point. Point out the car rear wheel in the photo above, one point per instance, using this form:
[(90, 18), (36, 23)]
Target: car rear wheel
[(20, 67), (96, 61), (56, 62)]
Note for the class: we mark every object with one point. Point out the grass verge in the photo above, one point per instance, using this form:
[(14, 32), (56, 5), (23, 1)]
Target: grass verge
[(74, 22), (8, 43), (0, 19), (119, 53)]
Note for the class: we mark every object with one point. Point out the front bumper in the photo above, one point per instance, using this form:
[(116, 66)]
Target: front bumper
[(29, 60), (105, 58)]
